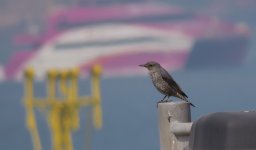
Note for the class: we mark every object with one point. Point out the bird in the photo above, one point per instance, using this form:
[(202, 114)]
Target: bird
[(164, 82)]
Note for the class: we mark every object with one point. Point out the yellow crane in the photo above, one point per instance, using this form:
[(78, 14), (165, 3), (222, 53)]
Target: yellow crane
[(62, 112)]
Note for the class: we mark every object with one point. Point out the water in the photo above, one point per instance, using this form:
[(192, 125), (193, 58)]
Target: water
[(129, 107)]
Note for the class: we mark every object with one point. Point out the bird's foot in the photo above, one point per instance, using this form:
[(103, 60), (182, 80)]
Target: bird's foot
[(161, 101)]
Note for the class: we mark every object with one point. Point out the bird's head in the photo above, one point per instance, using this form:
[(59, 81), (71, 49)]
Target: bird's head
[(151, 65)]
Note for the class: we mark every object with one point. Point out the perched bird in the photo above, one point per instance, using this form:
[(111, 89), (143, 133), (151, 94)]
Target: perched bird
[(164, 83)]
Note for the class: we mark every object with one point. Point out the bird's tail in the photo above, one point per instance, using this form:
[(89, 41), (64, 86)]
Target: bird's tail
[(185, 99)]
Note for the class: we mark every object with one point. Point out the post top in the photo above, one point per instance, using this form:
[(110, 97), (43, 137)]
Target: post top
[(173, 103), (29, 72), (96, 69), (52, 73), (63, 73), (74, 72)]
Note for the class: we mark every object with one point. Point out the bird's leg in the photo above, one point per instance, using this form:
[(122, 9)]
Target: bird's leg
[(168, 100), (164, 98), (161, 101)]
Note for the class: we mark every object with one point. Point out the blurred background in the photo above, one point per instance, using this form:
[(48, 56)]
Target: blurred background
[(208, 47)]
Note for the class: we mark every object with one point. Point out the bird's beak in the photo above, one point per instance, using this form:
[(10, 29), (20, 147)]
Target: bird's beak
[(143, 65)]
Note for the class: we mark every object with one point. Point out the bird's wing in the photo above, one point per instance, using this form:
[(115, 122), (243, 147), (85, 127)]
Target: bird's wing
[(168, 78)]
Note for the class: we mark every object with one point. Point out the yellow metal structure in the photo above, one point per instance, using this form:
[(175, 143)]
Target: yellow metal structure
[(62, 111)]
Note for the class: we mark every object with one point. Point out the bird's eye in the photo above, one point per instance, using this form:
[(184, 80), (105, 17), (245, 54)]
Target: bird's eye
[(150, 65)]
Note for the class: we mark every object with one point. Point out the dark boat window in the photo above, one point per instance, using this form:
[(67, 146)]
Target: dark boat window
[(105, 43)]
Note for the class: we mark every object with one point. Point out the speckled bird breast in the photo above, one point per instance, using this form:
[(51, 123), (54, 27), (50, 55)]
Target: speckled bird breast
[(160, 84)]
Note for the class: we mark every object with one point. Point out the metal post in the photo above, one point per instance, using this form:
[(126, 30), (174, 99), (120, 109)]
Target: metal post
[(29, 100), (173, 114), (97, 112)]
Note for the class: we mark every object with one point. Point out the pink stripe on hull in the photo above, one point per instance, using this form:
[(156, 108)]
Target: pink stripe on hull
[(16, 62), (79, 14)]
